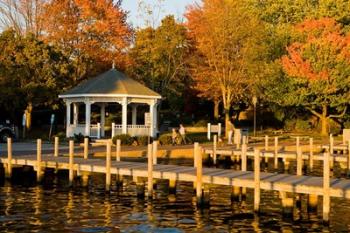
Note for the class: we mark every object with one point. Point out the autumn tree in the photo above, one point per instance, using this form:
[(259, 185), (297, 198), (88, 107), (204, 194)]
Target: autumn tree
[(32, 73), (94, 33), (318, 71), (159, 56), (23, 16), (230, 40)]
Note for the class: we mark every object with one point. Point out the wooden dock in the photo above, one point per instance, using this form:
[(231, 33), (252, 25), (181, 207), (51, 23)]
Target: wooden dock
[(257, 180)]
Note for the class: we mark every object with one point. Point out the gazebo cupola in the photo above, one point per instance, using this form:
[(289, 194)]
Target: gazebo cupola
[(109, 88)]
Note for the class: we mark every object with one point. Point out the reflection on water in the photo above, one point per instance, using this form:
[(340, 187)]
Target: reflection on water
[(53, 207)]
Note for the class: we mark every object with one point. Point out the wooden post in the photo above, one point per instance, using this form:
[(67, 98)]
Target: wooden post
[(150, 171), (349, 157), (326, 187), (311, 157), (38, 160), (9, 158), (194, 155), (244, 157), (299, 162), (276, 153), (199, 191), (312, 202), (155, 151), (256, 180), (172, 186), (118, 149), (56, 146), (244, 140), (331, 145), (108, 165), (214, 148), (71, 161), (86, 148), (331, 150), (266, 143), (297, 143)]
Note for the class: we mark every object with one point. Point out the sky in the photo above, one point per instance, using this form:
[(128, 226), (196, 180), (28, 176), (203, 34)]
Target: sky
[(138, 19)]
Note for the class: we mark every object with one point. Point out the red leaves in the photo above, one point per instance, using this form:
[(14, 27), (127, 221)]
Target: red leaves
[(322, 47)]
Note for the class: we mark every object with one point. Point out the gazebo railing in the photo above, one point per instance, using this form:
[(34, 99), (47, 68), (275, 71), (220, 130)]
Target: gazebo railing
[(95, 131), (132, 130)]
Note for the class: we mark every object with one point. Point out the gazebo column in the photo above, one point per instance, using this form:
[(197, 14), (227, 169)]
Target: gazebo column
[(103, 119), (87, 118), (75, 113), (68, 120), (134, 114), (125, 116)]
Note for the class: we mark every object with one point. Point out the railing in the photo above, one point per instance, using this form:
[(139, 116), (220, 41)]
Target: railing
[(95, 130), (132, 130)]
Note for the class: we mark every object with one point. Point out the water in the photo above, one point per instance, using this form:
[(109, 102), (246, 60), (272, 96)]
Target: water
[(52, 207)]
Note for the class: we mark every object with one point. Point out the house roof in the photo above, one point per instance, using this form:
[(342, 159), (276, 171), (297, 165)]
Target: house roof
[(111, 84)]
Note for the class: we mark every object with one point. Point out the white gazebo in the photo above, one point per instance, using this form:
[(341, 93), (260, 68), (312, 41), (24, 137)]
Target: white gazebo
[(109, 88)]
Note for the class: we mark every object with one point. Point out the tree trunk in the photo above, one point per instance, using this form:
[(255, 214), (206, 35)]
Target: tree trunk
[(216, 109), (228, 125), (28, 113), (324, 121)]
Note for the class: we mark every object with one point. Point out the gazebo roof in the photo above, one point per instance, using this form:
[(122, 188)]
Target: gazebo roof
[(111, 84)]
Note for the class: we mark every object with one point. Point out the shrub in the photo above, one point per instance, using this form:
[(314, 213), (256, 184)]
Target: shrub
[(78, 138), (201, 123), (302, 125), (61, 135), (142, 140), (125, 139), (165, 139)]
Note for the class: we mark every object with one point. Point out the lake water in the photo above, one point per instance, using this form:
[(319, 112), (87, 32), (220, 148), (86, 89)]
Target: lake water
[(53, 207)]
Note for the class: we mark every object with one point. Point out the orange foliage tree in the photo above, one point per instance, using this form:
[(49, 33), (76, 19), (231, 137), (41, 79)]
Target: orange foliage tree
[(318, 69), (229, 39), (95, 33)]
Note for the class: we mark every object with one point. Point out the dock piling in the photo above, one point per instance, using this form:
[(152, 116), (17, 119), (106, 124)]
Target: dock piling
[(150, 170), (244, 157), (56, 146), (311, 157), (108, 165), (326, 187), (38, 160), (276, 153), (266, 159), (199, 190), (8, 172), (86, 148), (349, 157), (214, 148), (256, 180), (299, 162), (312, 202), (71, 161), (155, 151), (118, 149)]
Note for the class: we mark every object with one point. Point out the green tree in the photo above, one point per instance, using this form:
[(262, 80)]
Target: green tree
[(317, 69), (32, 73), (159, 56)]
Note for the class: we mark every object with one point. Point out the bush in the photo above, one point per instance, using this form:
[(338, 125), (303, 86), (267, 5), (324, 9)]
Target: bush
[(302, 125), (201, 123), (78, 138), (60, 135), (165, 139), (125, 139), (141, 140)]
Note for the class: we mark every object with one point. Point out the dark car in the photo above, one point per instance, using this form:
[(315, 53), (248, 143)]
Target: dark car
[(6, 130)]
